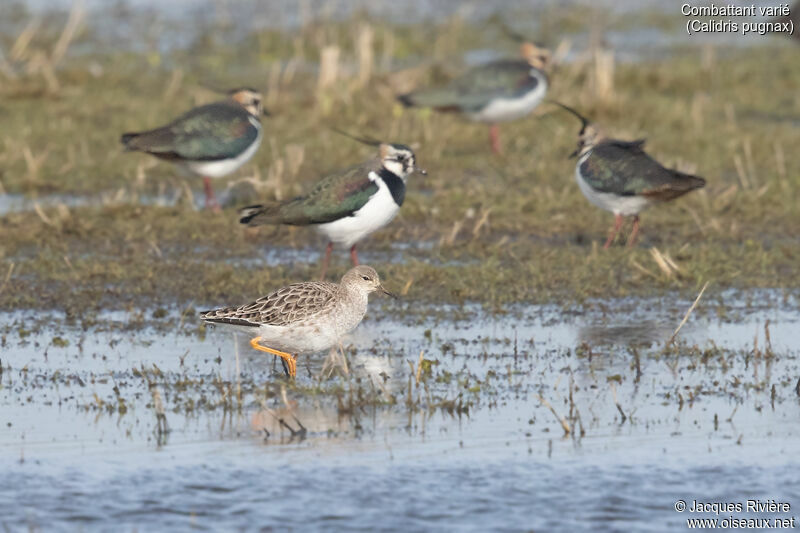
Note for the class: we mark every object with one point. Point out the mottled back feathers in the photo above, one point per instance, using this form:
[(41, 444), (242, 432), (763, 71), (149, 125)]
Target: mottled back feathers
[(285, 306)]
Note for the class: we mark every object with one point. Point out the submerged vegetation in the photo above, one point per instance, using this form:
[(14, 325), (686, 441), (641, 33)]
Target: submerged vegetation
[(515, 335)]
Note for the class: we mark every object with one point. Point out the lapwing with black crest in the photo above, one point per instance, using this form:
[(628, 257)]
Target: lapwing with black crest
[(494, 92), (347, 205), (210, 141), (620, 177)]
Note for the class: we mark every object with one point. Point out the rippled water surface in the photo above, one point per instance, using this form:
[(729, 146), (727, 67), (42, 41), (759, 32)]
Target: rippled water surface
[(454, 418), (470, 448)]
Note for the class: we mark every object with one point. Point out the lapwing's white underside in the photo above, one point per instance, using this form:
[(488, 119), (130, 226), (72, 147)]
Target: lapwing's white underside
[(376, 213), (619, 205), (507, 109), (223, 167)]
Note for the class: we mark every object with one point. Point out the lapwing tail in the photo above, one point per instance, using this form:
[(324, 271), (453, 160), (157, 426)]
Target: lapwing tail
[(127, 140), (689, 182), (406, 99), (255, 215)]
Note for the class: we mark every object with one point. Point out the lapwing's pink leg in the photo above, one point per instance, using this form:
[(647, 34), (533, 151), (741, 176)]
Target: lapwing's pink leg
[(634, 231), (326, 260), (617, 226), (494, 139), (211, 199), (354, 255)]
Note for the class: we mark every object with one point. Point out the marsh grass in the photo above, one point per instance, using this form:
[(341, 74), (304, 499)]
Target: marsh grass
[(497, 229)]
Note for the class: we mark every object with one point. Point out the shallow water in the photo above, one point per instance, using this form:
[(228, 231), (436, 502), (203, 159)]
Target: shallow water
[(700, 424)]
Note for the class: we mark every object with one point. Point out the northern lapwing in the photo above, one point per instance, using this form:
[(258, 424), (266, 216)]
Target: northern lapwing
[(303, 317), (348, 205), (210, 141), (499, 91), (620, 177)]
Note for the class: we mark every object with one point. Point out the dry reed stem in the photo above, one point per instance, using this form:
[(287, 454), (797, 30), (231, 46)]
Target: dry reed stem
[(564, 424), (273, 84), (174, 84), (603, 79), (780, 162), (641, 268), (238, 371), (664, 262), (24, 39), (686, 316), (39, 211), (8, 277), (483, 220), (418, 373), (74, 20), (451, 238), (407, 287), (328, 67), (365, 49), (616, 402), (741, 173)]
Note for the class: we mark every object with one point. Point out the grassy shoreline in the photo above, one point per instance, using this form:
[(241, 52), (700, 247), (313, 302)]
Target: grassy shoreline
[(495, 230)]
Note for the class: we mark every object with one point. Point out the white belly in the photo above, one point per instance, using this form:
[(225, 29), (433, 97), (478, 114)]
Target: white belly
[(376, 213), (619, 205), (218, 169), (310, 338), (507, 109), (297, 340)]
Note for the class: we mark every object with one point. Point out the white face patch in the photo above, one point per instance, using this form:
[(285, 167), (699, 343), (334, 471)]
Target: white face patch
[(393, 166), (399, 162)]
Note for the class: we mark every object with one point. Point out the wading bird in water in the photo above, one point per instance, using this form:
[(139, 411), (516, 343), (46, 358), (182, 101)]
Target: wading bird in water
[(303, 317)]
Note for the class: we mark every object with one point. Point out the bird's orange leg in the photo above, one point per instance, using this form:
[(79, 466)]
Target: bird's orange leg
[(494, 139), (618, 220), (291, 361), (634, 231), (326, 260), (211, 199), (354, 255)]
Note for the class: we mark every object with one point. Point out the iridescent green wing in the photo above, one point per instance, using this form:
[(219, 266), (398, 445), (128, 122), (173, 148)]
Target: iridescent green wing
[(478, 87), (337, 196), (623, 168), (221, 130)]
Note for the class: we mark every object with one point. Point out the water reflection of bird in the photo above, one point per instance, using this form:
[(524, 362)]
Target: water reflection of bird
[(303, 317), (620, 177), (644, 333), (210, 141)]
